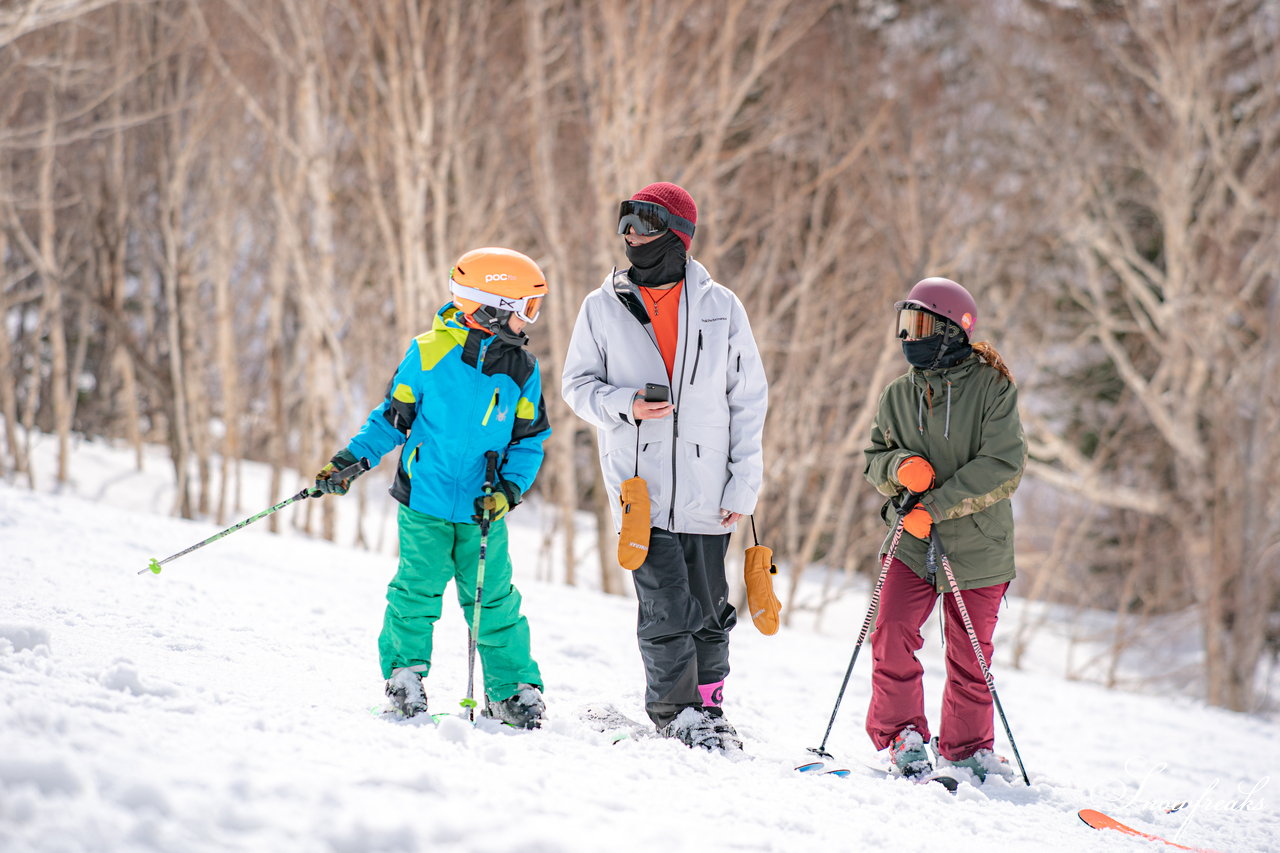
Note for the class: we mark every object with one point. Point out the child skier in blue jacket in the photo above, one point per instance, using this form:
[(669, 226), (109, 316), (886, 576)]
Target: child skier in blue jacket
[(463, 389)]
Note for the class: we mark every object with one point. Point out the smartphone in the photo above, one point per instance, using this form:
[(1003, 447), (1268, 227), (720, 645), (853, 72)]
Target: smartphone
[(656, 393)]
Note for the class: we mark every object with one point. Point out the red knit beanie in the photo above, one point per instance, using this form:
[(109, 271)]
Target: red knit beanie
[(675, 200)]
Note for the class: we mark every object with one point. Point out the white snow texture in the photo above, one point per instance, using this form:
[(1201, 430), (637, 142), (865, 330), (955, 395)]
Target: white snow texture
[(225, 704)]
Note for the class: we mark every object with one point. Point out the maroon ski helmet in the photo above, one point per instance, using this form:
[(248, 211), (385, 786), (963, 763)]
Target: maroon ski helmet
[(944, 297)]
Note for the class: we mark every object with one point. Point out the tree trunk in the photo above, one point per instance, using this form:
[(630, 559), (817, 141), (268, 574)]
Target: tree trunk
[(50, 279)]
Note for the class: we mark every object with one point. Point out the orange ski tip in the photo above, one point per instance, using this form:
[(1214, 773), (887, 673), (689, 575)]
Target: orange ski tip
[(1098, 820)]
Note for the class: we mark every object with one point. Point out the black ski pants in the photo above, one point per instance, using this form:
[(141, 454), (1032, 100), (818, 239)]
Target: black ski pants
[(684, 619)]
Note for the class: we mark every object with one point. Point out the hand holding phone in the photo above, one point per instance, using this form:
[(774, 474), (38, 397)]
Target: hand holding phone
[(656, 393), (652, 403)]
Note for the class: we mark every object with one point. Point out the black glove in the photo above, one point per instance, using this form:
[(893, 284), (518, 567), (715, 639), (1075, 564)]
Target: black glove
[(326, 485), (505, 497)]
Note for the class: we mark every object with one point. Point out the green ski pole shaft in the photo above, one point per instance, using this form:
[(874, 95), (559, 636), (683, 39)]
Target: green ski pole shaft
[(154, 565), (490, 474)]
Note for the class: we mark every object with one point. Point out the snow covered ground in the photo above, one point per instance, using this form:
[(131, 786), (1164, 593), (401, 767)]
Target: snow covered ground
[(225, 705)]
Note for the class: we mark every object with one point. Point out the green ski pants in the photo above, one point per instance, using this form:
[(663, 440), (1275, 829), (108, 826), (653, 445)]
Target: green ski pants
[(433, 551)]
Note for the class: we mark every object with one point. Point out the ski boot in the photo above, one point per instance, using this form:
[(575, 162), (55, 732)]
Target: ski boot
[(908, 754), (523, 710), (694, 728), (981, 764), (729, 739), (404, 689)]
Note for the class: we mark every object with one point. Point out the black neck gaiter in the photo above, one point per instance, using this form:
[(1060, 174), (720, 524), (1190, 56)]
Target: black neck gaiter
[(660, 261), (937, 352), (504, 333)]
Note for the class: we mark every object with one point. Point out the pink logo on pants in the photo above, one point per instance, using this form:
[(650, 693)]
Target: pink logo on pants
[(712, 694)]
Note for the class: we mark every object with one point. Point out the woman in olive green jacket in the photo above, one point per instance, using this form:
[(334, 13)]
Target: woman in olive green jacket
[(947, 430)]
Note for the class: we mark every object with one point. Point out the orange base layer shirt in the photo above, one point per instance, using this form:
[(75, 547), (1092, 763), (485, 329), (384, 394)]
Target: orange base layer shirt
[(664, 312)]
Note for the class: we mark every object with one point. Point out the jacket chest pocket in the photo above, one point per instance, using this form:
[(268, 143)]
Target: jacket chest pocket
[(707, 358)]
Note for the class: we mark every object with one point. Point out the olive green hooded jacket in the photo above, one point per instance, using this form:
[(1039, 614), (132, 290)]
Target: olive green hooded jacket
[(964, 420)]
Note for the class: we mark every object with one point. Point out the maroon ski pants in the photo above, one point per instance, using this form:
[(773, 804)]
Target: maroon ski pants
[(897, 687)]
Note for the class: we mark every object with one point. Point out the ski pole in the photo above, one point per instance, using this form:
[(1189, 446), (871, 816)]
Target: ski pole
[(911, 500), (349, 471), (935, 541), (490, 474)]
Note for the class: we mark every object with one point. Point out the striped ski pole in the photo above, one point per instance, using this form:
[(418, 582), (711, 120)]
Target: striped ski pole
[(345, 473), (936, 542), (911, 500)]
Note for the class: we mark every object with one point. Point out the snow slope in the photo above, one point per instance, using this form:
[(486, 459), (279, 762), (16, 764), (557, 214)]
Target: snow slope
[(225, 705)]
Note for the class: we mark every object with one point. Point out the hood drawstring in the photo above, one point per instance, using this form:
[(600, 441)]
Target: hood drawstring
[(946, 428)]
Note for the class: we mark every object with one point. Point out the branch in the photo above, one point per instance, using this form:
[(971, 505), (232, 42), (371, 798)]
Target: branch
[(39, 14)]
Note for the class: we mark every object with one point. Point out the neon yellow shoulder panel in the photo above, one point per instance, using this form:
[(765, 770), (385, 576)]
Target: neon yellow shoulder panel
[(435, 345)]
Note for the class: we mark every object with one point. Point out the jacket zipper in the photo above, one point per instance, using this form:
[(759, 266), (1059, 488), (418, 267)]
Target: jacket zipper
[(675, 397), (693, 377), (492, 405), (461, 457)]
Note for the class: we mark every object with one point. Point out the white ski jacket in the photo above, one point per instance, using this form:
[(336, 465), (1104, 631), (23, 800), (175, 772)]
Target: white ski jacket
[(705, 456)]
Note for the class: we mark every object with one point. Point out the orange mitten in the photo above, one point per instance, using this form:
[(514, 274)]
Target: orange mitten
[(764, 605), (918, 522), (916, 474), (633, 541)]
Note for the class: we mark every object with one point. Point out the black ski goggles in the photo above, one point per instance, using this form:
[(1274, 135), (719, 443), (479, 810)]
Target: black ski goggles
[(649, 218)]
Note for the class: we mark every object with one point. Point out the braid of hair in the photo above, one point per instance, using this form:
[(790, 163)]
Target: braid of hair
[(988, 354)]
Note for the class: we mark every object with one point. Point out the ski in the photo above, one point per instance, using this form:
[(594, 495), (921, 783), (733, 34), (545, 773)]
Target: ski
[(394, 715), (1098, 820), (618, 727), (817, 768), (608, 720), (948, 782)]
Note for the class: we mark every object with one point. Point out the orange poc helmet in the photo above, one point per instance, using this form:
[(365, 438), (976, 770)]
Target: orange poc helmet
[(492, 283)]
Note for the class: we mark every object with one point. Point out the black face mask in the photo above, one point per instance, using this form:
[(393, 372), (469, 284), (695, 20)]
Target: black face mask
[(659, 261), (937, 352)]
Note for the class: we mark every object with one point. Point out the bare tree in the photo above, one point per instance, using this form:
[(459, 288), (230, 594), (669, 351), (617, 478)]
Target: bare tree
[(221, 221), (1172, 236), (28, 16)]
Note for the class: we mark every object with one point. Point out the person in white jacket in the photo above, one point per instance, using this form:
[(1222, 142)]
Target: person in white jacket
[(664, 322)]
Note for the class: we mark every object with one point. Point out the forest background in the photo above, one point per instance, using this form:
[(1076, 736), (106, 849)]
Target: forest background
[(221, 221)]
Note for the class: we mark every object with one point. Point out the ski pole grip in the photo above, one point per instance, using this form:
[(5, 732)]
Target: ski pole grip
[(354, 469), (490, 469), (909, 502)]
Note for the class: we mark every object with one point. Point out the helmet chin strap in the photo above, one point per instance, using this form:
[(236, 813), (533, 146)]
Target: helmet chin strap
[(494, 322), (503, 331)]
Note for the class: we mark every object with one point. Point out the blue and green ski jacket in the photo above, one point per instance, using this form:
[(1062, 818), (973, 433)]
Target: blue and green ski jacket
[(458, 393)]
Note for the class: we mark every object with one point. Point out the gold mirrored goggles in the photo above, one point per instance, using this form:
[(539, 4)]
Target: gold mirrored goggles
[(915, 324)]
